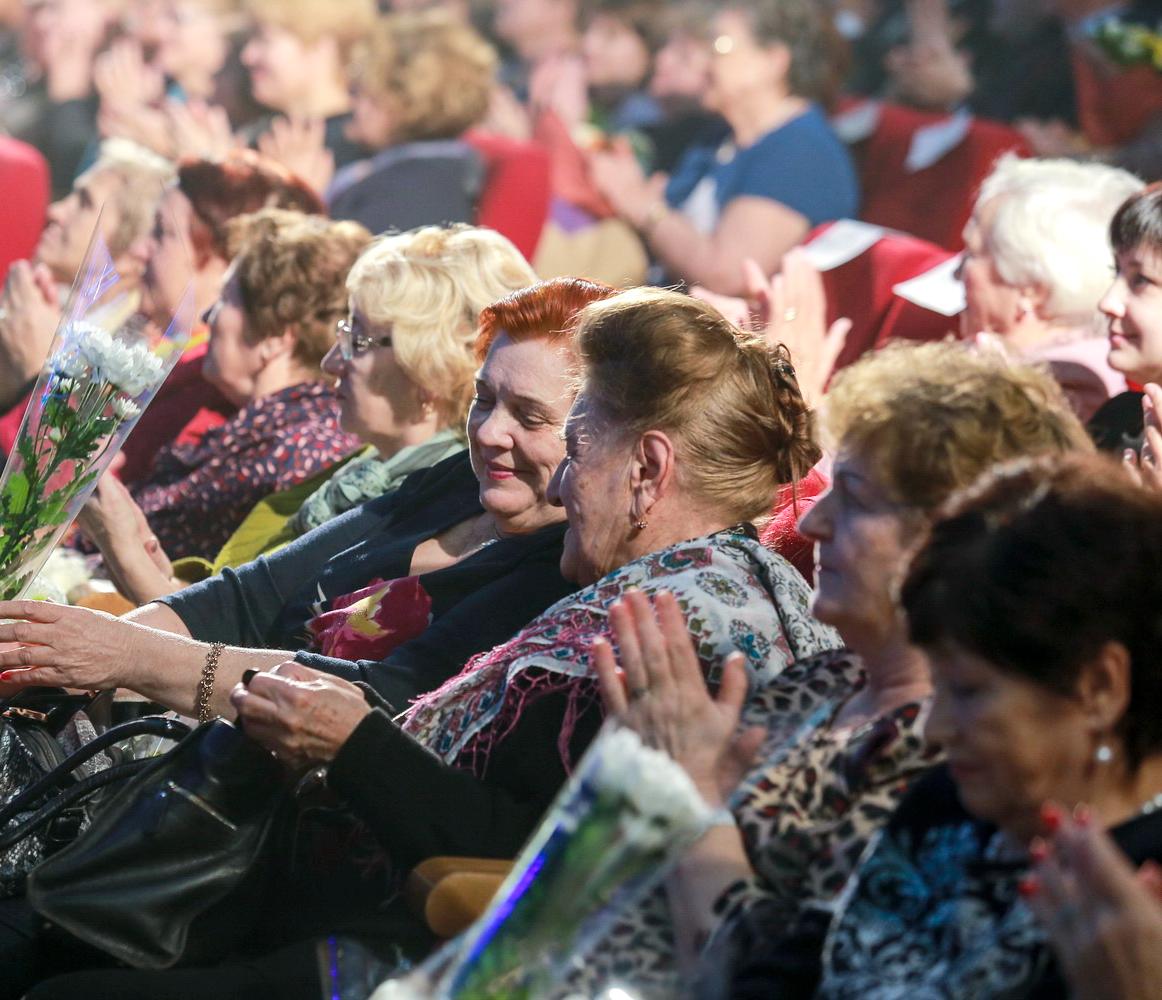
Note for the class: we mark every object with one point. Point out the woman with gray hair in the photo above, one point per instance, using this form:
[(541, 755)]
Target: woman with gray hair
[(1036, 263)]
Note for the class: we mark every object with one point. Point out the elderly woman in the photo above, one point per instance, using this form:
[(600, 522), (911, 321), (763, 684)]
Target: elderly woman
[(421, 81), (403, 366), (1029, 712), (1035, 264), (910, 425), (682, 431), (782, 172), (1133, 311), (407, 587), (269, 330)]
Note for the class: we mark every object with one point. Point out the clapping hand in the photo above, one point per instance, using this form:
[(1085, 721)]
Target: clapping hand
[(1146, 468), (200, 130), (1103, 919), (659, 691), (298, 144)]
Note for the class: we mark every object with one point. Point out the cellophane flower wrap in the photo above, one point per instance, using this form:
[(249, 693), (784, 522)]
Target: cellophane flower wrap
[(105, 364), (624, 817)]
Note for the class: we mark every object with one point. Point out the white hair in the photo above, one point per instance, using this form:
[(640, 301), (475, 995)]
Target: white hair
[(1050, 226)]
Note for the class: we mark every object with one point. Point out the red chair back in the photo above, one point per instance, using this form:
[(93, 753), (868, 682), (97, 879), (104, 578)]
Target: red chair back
[(24, 181), (515, 199)]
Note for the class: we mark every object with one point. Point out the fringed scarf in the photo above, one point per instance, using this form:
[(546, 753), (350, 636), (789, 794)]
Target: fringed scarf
[(734, 595)]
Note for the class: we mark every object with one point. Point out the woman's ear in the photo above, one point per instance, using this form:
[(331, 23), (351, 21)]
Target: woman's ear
[(1105, 687), (653, 470), (279, 345)]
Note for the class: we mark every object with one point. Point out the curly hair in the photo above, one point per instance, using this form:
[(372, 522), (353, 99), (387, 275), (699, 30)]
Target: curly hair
[(291, 270), (1037, 567), (656, 359), (430, 286), (818, 54), (433, 72), (220, 190), (933, 417)]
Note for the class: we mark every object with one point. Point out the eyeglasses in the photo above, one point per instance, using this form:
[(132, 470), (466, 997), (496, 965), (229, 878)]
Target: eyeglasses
[(353, 342)]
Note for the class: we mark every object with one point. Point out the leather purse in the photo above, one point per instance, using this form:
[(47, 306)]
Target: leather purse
[(170, 869)]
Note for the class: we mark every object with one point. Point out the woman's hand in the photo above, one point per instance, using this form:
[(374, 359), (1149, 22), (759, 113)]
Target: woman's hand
[(298, 144), (661, 694), (1103, 919), (200, 130), (619, 178), (793, 309), (134, 558), (60, 646), (301, 715), (1146, 468)]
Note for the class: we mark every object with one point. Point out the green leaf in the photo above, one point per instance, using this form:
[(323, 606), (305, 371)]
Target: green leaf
[(15, 494)]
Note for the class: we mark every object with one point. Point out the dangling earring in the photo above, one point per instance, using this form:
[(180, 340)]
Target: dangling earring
[(1104, 753)]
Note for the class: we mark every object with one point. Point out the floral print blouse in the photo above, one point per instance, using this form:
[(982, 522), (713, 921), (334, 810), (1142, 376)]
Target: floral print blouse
[(198, 493), (805, 813)]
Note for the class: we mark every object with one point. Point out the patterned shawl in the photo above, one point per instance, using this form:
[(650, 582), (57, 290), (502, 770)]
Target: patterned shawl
[(734, 594)]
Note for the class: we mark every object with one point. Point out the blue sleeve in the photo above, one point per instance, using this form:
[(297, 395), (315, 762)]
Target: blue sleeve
[(802, 165), (241, 606)]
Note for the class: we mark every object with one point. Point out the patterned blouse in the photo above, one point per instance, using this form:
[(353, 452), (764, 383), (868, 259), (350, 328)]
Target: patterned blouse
[(935, 912), (198, 493), (805, 815)]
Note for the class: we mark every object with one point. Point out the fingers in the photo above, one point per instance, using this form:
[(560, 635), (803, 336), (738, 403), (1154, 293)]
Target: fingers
[(44, 612), (621, 621), (682, 664), (754, 280), (655, 649), (610, 678), (296, 671), (735, 686), (1100, 867)]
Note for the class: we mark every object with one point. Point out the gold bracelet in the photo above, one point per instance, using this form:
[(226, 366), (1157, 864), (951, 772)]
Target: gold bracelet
[(206, 682)]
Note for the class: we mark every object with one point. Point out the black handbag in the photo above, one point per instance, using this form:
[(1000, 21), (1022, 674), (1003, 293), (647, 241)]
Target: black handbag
[(53, 771), (168, 871)]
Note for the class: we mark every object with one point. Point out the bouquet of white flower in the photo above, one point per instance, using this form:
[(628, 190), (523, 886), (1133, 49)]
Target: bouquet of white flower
[(90, 393), (625, 816)]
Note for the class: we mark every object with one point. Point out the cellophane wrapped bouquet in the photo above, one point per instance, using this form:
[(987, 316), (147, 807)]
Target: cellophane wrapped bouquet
[(625, 816), (105, 364)]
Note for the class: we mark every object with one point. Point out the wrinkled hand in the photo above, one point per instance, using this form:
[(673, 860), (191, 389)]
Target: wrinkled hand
[(298, 144), (60, 646), (301, 715), (619, 177), (1146, 469), (793, 309), (1104, 920), (29, 314), (200, 130), (660, 692)]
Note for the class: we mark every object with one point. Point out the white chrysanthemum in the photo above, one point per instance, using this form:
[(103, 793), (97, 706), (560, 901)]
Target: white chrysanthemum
[(659, 789), (132, 368), (125, 409)]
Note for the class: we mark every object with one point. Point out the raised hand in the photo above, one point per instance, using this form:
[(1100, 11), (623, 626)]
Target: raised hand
[(200, 130), (1146, 467), (660, 692), (298, 144)]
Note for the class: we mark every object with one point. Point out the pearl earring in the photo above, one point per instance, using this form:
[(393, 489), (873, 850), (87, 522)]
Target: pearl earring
[(1104, 753), (640, 524)]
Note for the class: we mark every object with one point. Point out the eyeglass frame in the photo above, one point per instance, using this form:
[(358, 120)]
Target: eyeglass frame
[(353, 344)]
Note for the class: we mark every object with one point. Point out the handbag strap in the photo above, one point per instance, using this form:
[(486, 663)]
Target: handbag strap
[(70, 797), (149, 726)]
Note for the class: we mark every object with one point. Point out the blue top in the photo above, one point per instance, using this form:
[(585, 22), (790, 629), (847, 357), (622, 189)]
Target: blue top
[(801, 164)]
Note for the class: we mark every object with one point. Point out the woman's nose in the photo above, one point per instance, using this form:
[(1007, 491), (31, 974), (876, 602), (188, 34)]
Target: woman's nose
[(1113, 302), (553, 491), (493, 430), (333, 362), (815, 524)]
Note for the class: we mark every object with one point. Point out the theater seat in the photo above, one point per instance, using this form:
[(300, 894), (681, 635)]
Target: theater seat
[(515, 198), (862, 265), (449, 893), (24, 180), (919, 171)]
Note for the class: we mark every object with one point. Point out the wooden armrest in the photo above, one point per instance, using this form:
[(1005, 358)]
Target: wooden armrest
[(114, 603), (450, 893)]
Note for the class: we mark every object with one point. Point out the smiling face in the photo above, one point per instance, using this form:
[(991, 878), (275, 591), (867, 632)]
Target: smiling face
[(275, 58), (1012, 744), (523, 393), (861, 536), (71, 222), (593, 486), (1133, 309)]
